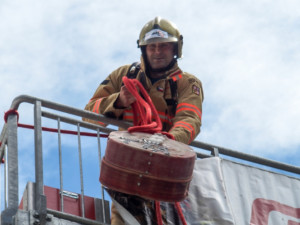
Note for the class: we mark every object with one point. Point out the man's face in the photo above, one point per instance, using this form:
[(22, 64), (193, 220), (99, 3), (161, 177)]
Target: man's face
[(160, 55)]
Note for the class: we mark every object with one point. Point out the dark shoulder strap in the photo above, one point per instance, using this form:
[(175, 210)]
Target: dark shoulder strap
[(174, 98), (173, 87), (133, 70)]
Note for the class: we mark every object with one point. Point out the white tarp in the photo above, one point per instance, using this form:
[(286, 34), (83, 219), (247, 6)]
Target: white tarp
[(223, 192)]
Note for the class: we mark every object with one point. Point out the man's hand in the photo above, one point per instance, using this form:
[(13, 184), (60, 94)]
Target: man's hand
[(125, 98)]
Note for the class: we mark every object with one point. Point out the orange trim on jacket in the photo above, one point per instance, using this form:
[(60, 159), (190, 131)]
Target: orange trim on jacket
[(176, 73), (176, 77), (190, 107), (96, 109), (187, 126), (97, 105)]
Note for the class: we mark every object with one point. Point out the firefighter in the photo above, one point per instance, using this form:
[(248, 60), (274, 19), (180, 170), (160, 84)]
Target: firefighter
[(177, 95)]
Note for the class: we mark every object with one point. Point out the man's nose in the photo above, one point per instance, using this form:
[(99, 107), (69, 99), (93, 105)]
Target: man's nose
[(157, 49)]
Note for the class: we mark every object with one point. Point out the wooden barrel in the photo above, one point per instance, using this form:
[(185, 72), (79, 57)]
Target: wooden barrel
[(151, 166)]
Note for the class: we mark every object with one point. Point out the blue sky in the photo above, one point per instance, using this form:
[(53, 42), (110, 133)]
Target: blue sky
[(246, 53)]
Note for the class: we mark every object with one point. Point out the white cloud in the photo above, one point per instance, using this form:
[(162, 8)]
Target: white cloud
[(250, 77)]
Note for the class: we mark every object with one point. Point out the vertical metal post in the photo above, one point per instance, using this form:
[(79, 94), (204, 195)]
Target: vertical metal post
[(99, 148), (60, 167), (5, 177), (215, 152), (100, 157), (12, 162), (12, 170), (40, 198), (1, 180), (81, 172)]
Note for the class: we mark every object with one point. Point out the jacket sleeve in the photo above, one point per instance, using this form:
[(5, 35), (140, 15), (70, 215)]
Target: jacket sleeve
[(187, 120), (105, 96)]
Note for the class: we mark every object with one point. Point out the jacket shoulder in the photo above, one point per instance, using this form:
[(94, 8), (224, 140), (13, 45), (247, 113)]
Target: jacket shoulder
[(190, 78), (190, 81), (122, 70), (116, 76)]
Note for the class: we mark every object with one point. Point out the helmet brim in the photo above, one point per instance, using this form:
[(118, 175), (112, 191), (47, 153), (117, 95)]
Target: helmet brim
[(158, 40)]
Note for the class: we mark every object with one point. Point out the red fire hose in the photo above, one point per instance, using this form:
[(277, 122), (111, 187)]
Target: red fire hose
[(145, 115)]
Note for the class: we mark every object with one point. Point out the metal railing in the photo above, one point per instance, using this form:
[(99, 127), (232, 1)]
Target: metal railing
[(9, 152)]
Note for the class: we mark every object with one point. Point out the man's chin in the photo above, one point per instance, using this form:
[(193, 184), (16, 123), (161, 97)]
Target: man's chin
[(159, 66), (158, 69)]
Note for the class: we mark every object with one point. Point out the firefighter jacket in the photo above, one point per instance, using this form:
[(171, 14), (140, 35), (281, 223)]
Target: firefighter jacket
[(180, 112)]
